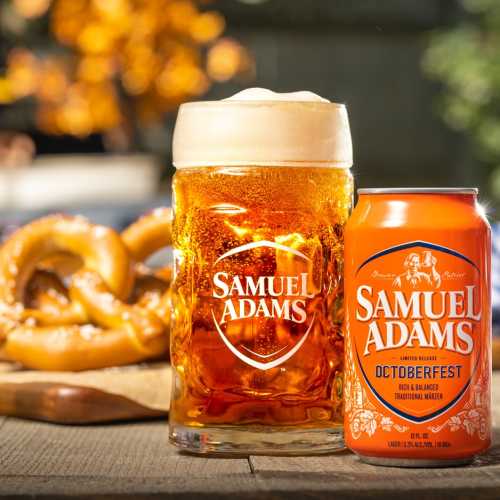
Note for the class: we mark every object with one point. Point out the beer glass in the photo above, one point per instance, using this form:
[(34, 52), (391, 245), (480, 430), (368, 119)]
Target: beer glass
[(261, 195)]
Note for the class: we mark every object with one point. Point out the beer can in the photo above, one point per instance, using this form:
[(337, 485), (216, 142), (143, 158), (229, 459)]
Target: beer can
[(417, 327)]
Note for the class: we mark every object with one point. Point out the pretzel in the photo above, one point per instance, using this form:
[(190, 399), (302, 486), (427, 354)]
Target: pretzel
[(47, 298), (47, 301), (100, 249), (69, 347), (153, 293), (149, 234), (125, 334), (120, 333), (45, 290)]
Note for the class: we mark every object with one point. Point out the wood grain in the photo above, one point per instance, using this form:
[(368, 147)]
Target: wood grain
[(231, 486), (136, 450), (343, 473)]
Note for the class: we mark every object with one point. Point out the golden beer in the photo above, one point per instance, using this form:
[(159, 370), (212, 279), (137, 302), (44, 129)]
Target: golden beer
[(256, 344)]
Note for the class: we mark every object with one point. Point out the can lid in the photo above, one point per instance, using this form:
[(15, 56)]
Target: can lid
[(420, 190), (263, 128)]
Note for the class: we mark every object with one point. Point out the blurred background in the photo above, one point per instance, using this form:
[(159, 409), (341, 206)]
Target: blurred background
[(89, 90)]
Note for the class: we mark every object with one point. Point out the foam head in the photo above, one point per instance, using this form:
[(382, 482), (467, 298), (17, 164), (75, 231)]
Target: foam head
[(263, 128)]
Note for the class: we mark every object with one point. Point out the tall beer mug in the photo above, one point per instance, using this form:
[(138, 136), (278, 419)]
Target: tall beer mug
[(261, 195)]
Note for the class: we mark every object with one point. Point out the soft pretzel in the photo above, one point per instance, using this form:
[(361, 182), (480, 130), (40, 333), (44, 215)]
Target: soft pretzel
[(46, 291), (124, 334), (101, 250), (47, 301), (146, 330), (119, 333), (153, 293), (149, 234), (69, 347)]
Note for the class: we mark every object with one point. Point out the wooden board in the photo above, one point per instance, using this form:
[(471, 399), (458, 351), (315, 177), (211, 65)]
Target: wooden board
[(496, 353), (128, 393)]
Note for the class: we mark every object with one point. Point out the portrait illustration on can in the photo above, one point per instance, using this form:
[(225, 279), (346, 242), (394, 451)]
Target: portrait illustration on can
[(415, 271)]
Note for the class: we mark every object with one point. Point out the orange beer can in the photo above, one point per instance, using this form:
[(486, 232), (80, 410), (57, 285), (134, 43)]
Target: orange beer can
[(417, 327)]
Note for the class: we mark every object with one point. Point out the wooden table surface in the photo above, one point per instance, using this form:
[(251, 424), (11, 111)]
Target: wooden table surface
[(135, 461)]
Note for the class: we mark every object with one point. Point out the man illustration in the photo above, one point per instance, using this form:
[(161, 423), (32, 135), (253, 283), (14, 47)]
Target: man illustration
[(414, 276)]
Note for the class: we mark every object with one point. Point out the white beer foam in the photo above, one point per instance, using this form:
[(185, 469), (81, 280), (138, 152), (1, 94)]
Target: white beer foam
[(259, 127), (261, 94)]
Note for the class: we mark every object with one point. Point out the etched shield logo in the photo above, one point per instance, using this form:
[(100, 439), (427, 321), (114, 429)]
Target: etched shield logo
[(261, 293)]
